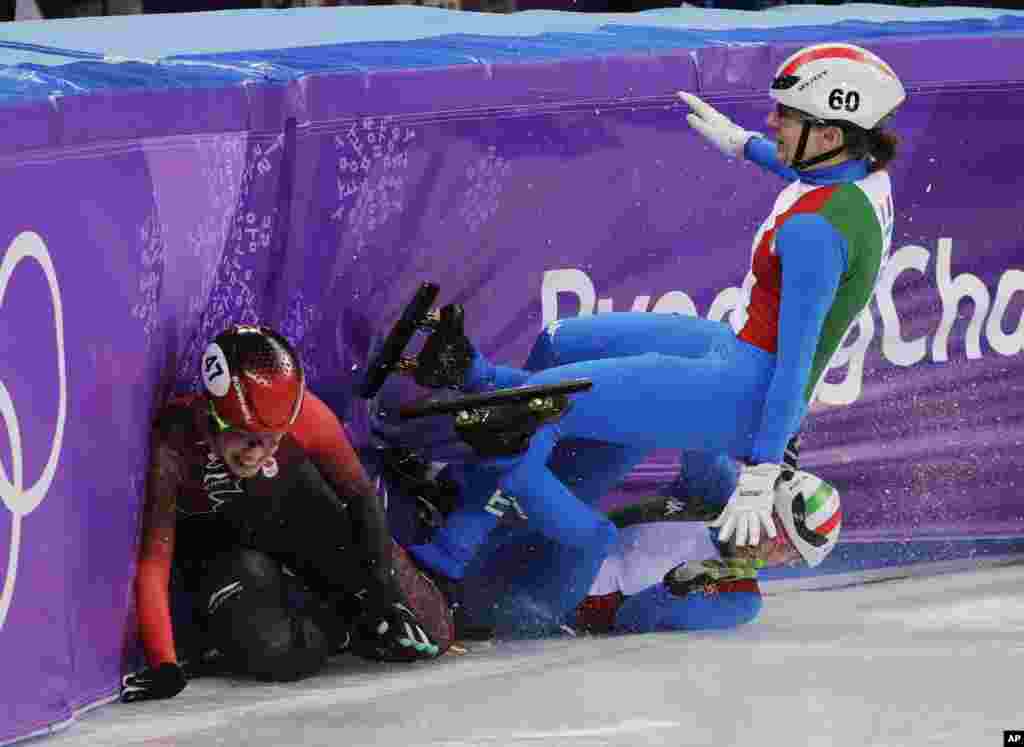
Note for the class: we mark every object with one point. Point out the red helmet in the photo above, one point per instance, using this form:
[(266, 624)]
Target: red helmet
[(253, 379)]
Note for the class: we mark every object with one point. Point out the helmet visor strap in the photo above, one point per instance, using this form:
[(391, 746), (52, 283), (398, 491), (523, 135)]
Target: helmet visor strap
[(220, 425), (799, 163), (801, 146)]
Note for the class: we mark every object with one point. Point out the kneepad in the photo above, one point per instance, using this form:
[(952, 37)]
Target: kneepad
[(273, 644), (242, 571), (247, 620)]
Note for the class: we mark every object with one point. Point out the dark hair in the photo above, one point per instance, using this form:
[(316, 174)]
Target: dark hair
[(877, 145)]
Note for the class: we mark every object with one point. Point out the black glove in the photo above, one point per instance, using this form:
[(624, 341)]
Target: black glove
[(390, 632), (153, 683)]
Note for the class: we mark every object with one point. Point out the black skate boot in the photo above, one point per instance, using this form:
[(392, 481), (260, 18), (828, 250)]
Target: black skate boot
[(445, 358), (447, 354), (436, 496), (433, 496)]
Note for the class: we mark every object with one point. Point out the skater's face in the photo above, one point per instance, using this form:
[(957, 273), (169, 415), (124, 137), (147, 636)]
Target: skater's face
[(788, 125), (244, 453), (772, 551), (779, 550)]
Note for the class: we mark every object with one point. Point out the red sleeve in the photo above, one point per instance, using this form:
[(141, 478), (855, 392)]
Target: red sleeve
[(323, 438), (152, 595), (154, 608)]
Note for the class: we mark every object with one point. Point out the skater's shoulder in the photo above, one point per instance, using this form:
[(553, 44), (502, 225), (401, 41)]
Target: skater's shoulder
[(315, 421)]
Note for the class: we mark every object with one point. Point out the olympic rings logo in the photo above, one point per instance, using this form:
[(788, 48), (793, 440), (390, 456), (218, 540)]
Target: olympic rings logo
[(19, 500)]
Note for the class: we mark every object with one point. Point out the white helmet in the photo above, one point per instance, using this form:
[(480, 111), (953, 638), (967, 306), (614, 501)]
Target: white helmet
[(838, 83), (810, 511)]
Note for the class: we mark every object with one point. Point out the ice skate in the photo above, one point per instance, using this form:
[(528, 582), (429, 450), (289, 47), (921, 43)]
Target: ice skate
[(500, 423), (446, 355)]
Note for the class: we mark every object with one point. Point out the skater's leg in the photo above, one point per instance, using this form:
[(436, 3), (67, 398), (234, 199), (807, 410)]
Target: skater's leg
[(484, 376), (711, 404), (602, 336), (501, 589), (666, 574), (622, 334), (660, 608), (710, 476), (646, 401), (590, 469), (249, 623), (580, 536), (614, 335), (558, 513), (466, 528), (563, 576), (525, 584)]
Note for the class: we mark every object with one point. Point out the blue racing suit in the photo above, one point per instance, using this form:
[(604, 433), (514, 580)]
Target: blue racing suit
[(671, 381)]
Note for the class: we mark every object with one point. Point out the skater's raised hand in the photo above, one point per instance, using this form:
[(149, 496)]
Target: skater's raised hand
[(750, 505), (717, 128)]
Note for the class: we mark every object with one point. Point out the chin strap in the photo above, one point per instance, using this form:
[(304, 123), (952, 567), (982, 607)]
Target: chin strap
[(799, 163)]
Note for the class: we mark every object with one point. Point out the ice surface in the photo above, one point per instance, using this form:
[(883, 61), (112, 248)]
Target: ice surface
[(919, 661)]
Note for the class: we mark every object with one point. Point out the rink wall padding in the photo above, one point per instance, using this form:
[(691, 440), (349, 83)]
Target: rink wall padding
[(148, 203)]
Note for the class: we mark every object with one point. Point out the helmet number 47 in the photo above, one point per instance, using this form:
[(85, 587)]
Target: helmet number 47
[(213, 368)]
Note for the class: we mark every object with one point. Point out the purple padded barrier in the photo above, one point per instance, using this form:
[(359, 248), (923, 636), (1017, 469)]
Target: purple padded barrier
[(530, 192)]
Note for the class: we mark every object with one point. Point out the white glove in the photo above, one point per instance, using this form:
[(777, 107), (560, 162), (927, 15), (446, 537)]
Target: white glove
[(750, 505), (715, 126)]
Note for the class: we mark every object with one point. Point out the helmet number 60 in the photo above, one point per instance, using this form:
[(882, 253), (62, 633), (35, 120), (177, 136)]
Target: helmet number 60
[(840, 99)]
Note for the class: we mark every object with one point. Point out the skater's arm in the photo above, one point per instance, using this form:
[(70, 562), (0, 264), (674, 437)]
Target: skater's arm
[(733, 140), (323, 437), (157, 550), (763, 152), (813, 256)]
